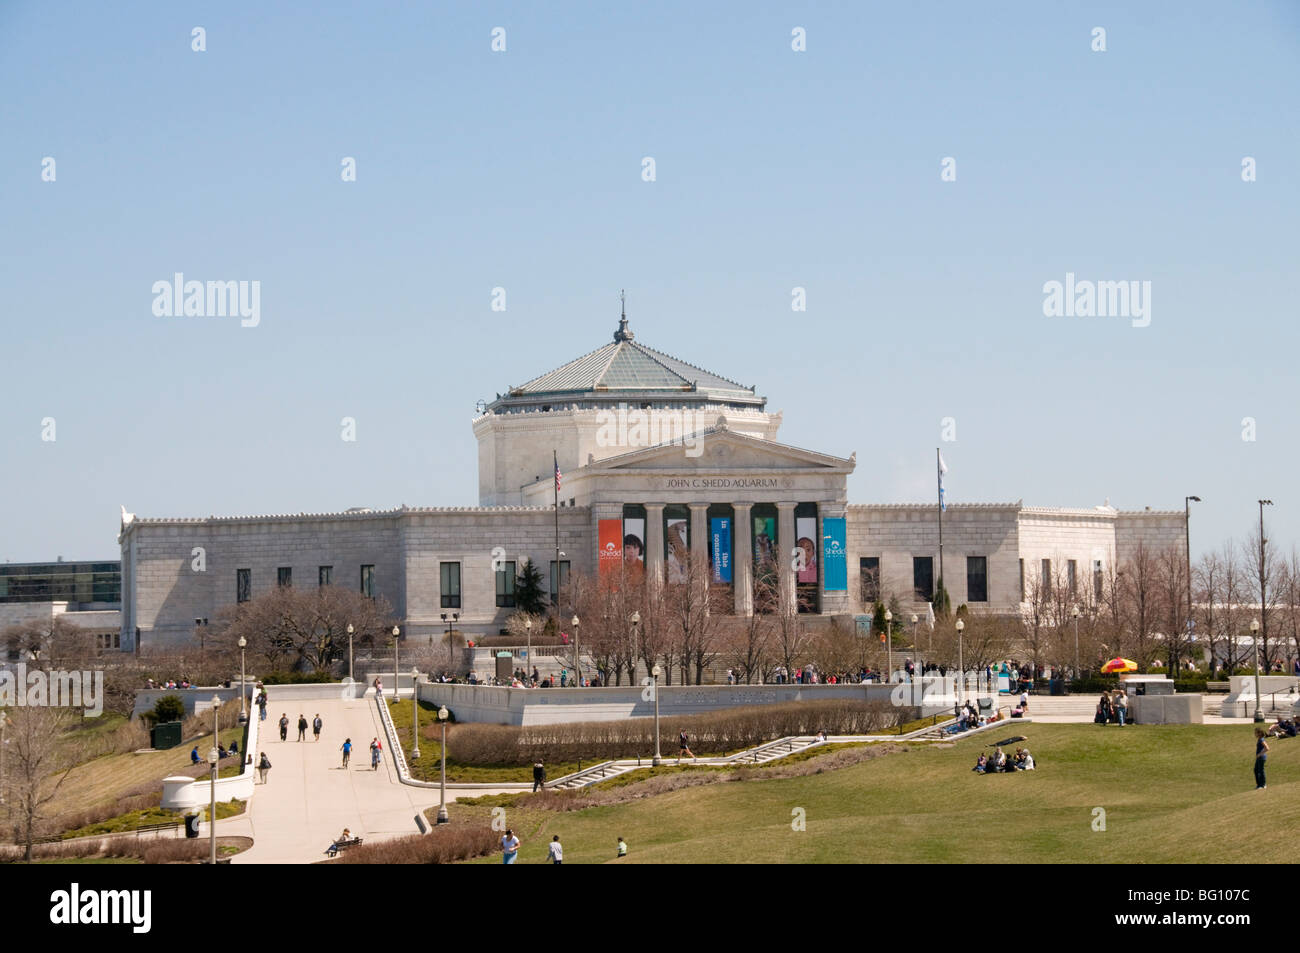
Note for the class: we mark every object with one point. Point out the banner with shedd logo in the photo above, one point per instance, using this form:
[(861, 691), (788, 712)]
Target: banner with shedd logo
[(834, 565), (611, 546)]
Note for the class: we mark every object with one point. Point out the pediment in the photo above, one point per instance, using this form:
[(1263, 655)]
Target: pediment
[(724, 449)]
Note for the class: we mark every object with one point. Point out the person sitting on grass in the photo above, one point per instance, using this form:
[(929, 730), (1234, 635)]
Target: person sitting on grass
[(981, 764), (222, 753), (999, 760), (1026, 762), (194, 756), (1285, 728)]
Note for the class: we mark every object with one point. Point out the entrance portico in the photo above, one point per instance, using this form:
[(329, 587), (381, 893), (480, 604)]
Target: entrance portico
[(751, 510)]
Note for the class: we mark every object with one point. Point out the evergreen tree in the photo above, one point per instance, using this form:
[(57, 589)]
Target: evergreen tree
[(530, 596)]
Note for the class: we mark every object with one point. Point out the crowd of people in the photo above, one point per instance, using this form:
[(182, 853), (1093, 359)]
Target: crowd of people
[(1021, 761), (169, 683)]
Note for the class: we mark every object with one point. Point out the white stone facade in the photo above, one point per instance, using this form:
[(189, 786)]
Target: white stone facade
[(729, 466)]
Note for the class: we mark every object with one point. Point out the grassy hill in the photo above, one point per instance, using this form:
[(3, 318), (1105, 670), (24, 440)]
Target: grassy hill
[(1170, 793)]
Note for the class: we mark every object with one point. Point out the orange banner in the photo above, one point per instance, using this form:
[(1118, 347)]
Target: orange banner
[(611, 547)]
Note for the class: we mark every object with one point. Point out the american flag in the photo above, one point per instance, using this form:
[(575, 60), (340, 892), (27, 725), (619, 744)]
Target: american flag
[(557, 478)]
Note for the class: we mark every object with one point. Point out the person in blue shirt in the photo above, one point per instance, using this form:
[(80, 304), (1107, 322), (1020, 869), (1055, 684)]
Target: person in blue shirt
[(194, 756)]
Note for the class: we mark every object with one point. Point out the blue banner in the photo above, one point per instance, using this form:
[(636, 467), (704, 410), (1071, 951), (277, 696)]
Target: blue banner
[(720, 530), (834, 564)]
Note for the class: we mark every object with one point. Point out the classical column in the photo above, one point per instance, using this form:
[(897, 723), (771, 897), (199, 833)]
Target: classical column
[(742, 559), (654, 543), (700, 537), (785, 555)]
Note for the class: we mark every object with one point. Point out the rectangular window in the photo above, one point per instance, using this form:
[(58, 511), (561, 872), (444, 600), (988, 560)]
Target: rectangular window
[(558, 583), (450, 577), (324, 575), (869, 579), (243, 585), (1045, 576), (506, 586), (1096, 579), (368, 581), (1072, 575), (108, 640), (977, 579), (284, 577), (923, 578)]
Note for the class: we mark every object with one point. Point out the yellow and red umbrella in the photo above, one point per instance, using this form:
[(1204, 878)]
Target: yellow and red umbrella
[(1120, 665)]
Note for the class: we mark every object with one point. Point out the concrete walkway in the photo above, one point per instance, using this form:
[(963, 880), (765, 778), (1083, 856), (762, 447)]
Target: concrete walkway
[(308, 798)]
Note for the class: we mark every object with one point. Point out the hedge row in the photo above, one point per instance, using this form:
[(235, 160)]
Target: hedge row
[(442, 845), (727, 730)]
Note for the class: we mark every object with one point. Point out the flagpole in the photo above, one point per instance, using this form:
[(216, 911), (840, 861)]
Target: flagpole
[(555, 480), (939, 473)]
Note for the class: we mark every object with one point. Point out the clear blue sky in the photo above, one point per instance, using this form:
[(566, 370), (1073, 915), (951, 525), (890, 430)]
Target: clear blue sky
[(522, 169)]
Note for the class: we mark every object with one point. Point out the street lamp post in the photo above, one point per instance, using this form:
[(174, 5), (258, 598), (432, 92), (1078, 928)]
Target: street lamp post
[(350, 630), (631, 659), (442, 803), (1263, 579), (655, 673), (243, 714), (577, 672), (528, 626), (415, 713), (396, 670), (213, 757), (455, 617), (889, 645), (916, 649), (961, 660), (1075, 612), (1187, 541), (1254, 641)]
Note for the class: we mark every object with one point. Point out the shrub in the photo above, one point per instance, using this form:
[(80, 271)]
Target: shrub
[(169, 708), (727, 730), (442, 845), (298, 678)]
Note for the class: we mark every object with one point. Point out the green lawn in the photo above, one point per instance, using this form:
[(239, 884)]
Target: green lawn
[(1171, 794)]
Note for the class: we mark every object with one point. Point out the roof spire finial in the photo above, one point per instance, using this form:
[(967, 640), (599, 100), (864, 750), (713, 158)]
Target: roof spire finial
[(623, 334)]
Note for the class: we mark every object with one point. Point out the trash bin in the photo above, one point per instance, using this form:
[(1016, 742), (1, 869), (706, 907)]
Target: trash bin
[(1056, 687), (191, 825)]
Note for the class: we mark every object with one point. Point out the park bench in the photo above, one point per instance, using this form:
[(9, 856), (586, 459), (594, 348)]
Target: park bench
[(1218, 686), (337, 846)]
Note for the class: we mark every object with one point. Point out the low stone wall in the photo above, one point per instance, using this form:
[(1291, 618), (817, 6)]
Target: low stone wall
[(1241, 689), (549, 706), (181, 793), (1166, 709)]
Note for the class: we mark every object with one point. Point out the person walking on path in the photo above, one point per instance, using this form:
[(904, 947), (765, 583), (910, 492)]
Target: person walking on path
[(284, 726), (302, 727), (622, 847), (539, 776), (261, 704), (376, 753), (683, 747), (316, 726), (263, 766), (347, 753), (509, 847), (1261, 755), (557, 851), (379, 687)]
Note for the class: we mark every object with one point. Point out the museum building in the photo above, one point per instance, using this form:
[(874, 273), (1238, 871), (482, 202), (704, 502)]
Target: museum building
[(627, 455)]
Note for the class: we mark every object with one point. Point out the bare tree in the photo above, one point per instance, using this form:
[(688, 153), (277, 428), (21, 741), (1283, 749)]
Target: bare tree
[(41, 757), (307, 628)]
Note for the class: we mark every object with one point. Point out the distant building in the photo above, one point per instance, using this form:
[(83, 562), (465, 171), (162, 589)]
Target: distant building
[(659, 461), (88, 594)]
